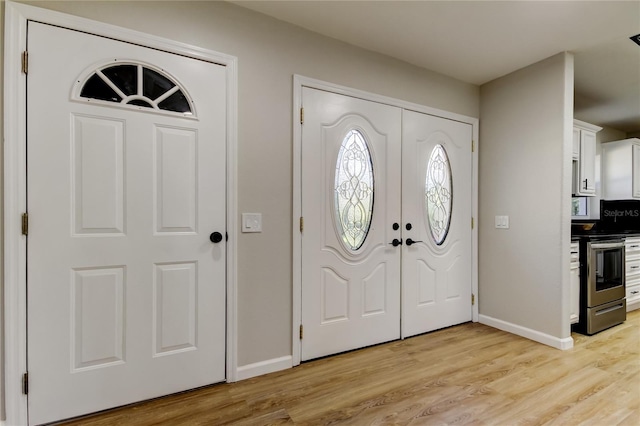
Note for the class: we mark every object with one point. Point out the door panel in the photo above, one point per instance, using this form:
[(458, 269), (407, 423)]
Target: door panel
[(436, 278), (350, 285), (97, 175), (97, 306), (126, 294), (175, 180)]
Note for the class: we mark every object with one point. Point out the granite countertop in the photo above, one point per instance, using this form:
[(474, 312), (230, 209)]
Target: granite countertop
[(582, 228)]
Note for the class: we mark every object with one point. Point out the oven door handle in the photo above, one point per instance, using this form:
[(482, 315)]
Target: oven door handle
[(606, 245)]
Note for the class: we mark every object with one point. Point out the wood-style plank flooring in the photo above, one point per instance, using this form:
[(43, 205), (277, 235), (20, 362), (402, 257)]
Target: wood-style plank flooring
[(468, 374)]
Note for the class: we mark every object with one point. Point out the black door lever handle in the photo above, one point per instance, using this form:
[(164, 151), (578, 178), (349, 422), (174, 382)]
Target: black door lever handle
[(410, 241), (396, 242)]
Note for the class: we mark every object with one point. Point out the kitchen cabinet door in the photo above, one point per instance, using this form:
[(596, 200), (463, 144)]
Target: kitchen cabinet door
[(575, 295), (621, 170), (574, 289), (587, 176), (632, 271), (575, 154), (584, 170)]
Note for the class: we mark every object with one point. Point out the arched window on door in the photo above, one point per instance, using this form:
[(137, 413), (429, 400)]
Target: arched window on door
[(136, 85)]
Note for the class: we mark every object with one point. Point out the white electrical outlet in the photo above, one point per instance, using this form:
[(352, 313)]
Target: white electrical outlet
[(251, 222)]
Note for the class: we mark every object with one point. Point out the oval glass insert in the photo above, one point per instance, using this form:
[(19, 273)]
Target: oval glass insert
[(438, 194), (353, 191)]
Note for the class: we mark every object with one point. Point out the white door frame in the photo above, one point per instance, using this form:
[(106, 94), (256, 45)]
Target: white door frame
[(15, 184), (298, 83)]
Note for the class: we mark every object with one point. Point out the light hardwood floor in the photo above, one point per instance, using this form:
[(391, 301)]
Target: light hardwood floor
[(468, 374)]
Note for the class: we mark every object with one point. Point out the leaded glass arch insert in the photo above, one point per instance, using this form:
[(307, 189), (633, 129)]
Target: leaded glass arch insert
[(353, 191), (138, 85), (438, 194)]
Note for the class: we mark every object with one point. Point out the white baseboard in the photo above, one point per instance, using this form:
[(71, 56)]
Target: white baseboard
[(546, 339), (264, 367)]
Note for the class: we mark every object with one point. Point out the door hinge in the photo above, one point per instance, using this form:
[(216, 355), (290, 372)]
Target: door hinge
[(301, 224), (301, 331), (25, 224), (473, 146), (473, 299), (472, 223), (25, 62), (301, 115), (25, 383)]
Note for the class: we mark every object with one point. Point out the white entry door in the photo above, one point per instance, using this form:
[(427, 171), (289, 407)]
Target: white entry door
[(350, 202), (367, 276), (436, 222), (126, 184)]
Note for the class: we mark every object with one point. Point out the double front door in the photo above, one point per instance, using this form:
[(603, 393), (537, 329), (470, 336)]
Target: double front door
[(387, 238)]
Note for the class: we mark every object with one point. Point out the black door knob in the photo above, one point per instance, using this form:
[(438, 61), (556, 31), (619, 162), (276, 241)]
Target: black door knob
[(215, 237), (408, 227), (396, 242), (410, 241), (395, 226)]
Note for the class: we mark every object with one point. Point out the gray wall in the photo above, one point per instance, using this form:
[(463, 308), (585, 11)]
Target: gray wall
[(608, 134), (2, 405), (269, 52), (525, 166)]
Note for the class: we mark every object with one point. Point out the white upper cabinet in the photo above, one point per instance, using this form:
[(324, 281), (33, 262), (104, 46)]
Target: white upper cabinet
[(621, 170), (575, 155), (584, 138), (587, 163)]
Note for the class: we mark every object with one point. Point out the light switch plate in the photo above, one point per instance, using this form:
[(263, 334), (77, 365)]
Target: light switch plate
[(251, 222), (502, 222)]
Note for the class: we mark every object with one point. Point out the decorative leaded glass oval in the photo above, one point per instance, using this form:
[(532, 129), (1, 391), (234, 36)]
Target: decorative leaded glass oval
[(438, 194), (354, 190), (136, 85)]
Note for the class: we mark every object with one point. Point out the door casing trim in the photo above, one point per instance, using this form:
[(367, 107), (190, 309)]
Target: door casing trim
[(15, 201), (299, 82)]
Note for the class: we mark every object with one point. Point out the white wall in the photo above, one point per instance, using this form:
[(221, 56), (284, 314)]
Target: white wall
[(525, 169), (269, 53)]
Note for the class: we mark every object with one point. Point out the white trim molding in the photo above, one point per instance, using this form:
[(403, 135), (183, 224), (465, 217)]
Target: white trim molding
[(265, 367), (298, 83), (537, 336), (17, 16), (633, 305)]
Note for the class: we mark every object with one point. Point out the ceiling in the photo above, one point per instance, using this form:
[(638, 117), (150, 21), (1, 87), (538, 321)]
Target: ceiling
[(479, 41)]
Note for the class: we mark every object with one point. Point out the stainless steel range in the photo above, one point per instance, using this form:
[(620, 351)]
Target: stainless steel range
[(602, 295)]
